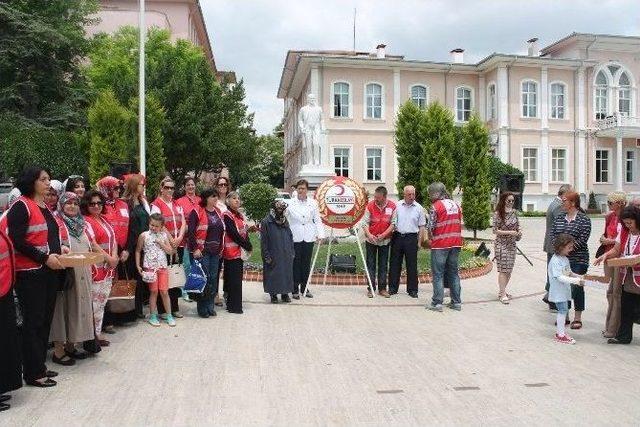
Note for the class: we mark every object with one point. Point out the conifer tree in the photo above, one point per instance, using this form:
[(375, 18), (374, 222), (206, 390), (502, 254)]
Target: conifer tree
[(408, 144), (437, 132)]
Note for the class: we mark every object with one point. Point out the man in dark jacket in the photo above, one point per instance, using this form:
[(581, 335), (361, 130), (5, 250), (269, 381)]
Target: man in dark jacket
[(554, 209)]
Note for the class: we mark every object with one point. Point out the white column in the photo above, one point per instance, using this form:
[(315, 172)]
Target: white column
[(544, 135), (396, 91), (502, 88), (544, 98), (482, 102), (581, 161), (315, 82), (544, 160), (619, 163)]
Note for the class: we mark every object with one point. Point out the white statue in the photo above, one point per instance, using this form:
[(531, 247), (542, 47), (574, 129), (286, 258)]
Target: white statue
[(312, 126)]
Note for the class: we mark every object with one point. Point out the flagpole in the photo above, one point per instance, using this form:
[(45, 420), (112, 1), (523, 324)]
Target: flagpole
[(141, 90)]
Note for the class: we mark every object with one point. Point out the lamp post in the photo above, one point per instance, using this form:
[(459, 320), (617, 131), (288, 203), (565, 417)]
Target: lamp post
[(141, 91)]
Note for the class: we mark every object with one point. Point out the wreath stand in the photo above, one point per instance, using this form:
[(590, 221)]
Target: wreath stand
[(326, 264)]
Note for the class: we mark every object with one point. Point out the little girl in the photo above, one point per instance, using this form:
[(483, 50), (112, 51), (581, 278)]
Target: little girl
[(155, 245), (560, 280)]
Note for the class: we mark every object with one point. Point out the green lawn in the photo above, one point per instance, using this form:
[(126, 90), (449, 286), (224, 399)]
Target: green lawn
[(467, 259)]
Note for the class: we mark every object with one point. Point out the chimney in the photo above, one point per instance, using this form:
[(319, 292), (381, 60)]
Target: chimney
[(457, 56), (380, 52), (533, 47)]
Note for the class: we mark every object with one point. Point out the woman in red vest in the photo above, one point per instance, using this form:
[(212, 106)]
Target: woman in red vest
[(35, 236), (176, 225), (189, 202), (235, 252), (101, 232), (10, 364), (627, 244), (223, 185)]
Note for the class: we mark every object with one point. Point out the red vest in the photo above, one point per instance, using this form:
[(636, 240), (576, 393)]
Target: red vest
[(105, 237), (232, 249), (380, 219), (611, 225), (3, 222), (7, 264), (448, 231), (117, 215), (172, 216), (37, 234), (187, 204), (63, 231), (624, 240)]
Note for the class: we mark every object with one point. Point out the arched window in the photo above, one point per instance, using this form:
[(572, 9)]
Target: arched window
[(373, 94), (601, 96), (463, 104), (419, 95), (492, 102), (624, 95), (529, 99), (341, 99), (558, 100)]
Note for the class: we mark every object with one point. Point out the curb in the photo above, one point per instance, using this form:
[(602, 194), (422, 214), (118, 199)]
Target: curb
[(345, 279)]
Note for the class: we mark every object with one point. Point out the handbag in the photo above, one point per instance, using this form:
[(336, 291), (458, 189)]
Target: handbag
[(123, 289), (176, 274), (149, 276), (196, 280)]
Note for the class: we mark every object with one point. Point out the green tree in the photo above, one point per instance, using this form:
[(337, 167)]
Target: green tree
[(497, 168), (408, 143), (43, 43), (110, 133), (437, 132), (268, 165), (257, 199), (475, 179)]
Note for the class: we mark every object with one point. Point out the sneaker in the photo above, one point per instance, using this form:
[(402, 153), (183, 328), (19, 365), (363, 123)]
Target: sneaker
[(435, 307), (369, 293), (566, 339), (455, 306), (274, 299), (170, 320), (177, 315), (285, 298), (384, 293), (296, 296), (308, 294), (153, 320)]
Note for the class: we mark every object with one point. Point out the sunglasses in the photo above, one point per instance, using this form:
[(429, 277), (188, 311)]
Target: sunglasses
[(224, 184), (167, 187), (95, 203), (509, 200)]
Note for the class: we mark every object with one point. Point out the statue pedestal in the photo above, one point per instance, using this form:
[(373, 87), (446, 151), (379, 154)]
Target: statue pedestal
[(315, 175)]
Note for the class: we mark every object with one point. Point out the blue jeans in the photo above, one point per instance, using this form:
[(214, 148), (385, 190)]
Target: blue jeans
[(210, 265), (445, 262), (377, 264)]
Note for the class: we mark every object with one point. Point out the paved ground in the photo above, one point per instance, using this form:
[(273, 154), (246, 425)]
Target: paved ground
[(343, 359)]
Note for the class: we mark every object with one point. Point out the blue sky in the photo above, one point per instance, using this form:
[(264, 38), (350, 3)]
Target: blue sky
[(251, 37)]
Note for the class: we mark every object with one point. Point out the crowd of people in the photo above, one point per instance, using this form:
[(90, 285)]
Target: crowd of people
[(44, 304)]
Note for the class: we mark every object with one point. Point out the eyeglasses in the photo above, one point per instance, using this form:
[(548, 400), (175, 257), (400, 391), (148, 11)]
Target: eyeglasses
[(72, 202), (509, 200), (166, 187), (224, 184), (76, 177), (96, 203)]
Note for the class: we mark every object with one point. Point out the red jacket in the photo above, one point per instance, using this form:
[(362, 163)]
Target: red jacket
[(118, 217), (188, 204), (37, 235), (626, 249), (63, 231), (448, 229), (103, 234), (172, 216), (231, 249)]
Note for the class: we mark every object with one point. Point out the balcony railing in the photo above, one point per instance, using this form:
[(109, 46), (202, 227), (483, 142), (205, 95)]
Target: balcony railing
[(618, 120)]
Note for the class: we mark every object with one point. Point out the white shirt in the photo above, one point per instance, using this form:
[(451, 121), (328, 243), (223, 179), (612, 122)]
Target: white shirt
[(304, 220)]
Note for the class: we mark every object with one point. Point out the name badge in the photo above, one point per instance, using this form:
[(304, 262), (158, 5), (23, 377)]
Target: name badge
[(450, 206), (388, 211), (124, 213)]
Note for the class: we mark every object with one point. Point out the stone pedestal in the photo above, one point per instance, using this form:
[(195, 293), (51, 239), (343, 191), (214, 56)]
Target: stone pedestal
[(315, 175)]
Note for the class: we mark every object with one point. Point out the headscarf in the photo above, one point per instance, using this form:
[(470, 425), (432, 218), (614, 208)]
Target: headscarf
[(106, 186), (277, 212), (74, 224)]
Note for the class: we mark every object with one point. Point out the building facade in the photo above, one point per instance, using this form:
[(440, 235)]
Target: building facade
[(564, 114)]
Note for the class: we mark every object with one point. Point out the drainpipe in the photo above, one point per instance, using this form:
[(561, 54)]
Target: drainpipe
[(595, 38)]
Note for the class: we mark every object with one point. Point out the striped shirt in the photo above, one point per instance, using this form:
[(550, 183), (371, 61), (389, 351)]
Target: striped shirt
[(580, 229)]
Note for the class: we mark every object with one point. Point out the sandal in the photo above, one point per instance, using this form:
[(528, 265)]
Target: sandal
[(576, 324), (64, 360), (78, 355), (503, 299), (43, 384), (109, 330)]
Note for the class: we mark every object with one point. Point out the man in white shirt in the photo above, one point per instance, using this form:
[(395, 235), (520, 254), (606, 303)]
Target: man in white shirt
[(306, 226)]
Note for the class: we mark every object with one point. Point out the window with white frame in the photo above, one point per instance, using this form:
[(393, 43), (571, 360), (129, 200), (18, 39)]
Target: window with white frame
[(529, 99), (341, 99), (419, 95), (373, 95), (374, 164), (630, 161), (492, 102), (558, 164), (602, 166), (463, 104), (624, 95), (601, 96), (530, 163), (558, 98), (341, 161)]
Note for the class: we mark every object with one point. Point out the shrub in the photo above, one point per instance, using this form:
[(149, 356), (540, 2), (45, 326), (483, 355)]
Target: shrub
[(257, 199)]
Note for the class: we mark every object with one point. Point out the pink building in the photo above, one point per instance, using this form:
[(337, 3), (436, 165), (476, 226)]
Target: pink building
[(567, 113), (183, 18)]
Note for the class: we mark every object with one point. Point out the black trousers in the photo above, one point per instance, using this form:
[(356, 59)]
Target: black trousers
[(174, 293), (630, 303), (404, 246), (233, 270), (36, 291), (301, 265)]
